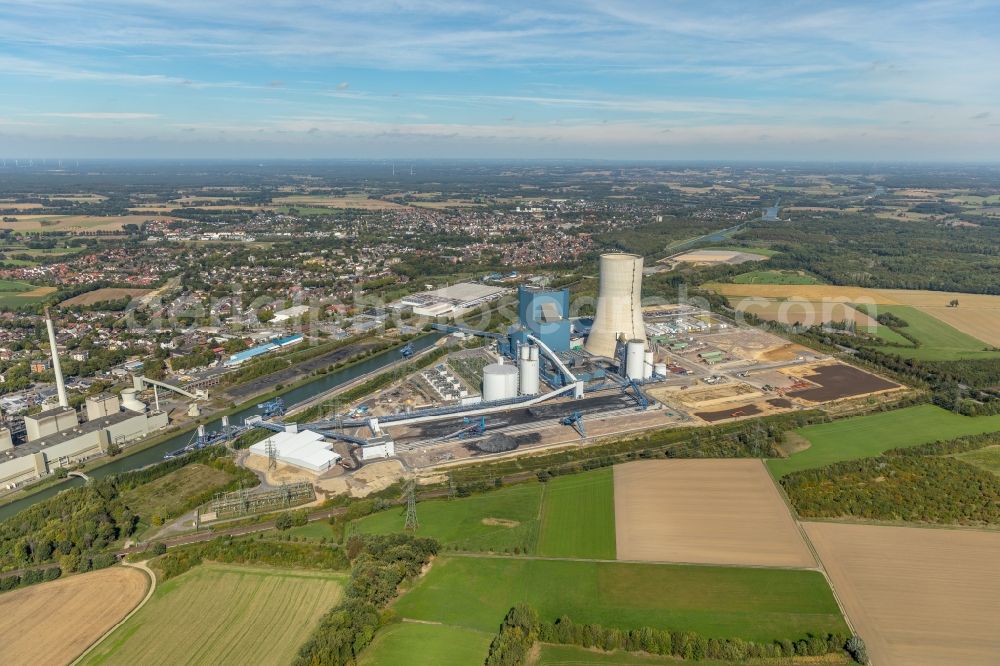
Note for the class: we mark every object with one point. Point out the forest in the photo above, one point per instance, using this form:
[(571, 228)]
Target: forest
[(868, 251), (919, 484)]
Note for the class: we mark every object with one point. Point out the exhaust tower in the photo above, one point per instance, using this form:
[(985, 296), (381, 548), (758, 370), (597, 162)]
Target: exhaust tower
[(56, 368), (619, 304)]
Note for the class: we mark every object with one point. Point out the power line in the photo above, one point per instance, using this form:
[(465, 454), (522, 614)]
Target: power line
[(411, 507)]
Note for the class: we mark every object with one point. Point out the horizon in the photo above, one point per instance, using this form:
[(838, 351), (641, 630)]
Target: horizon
[(610, 81)]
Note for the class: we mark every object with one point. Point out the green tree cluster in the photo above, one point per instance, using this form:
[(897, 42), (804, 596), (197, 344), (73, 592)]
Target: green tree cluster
[(380, 563)]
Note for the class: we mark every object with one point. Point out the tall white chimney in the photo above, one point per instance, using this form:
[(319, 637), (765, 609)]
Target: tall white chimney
[(56, 368)]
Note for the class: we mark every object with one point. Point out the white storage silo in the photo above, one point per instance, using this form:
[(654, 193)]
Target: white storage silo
[(619, 304), (635, 357), (660, 369), (499, 382), (528, 370), (647, 365)]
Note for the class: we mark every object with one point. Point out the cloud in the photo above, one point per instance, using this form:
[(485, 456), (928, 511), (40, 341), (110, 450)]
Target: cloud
[(343, 85), (102, 115)]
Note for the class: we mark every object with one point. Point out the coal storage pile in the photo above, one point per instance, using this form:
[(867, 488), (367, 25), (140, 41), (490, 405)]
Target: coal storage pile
[(497, 443)]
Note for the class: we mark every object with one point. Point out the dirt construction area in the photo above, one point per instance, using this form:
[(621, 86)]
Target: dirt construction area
[(704, 512), (753, 344), (916, 596), (826, 383), (67, 615)]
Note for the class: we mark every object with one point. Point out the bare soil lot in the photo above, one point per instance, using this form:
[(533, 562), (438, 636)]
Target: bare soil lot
[(706, 512), (739, 411), (57, 621), (917, 596), (838, 381)]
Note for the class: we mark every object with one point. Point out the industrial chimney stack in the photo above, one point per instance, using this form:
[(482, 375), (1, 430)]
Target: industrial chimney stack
[(56, 368), (619, 304)]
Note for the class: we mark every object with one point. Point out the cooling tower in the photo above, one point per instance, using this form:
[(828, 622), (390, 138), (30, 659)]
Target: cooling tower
[(619, 310)]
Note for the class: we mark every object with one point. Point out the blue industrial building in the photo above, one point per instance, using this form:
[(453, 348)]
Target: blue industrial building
[(543, 313)]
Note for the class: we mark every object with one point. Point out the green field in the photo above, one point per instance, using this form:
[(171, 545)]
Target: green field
[(987, 458), (775, 277), (578, 516), (410, 643), (754, 604), (570, 516), (496, 521), (168, 495), (12, 294), (938, 340), (866, 436), (215, 614)]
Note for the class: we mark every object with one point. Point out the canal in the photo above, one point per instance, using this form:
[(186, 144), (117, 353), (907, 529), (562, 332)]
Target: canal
[(154, 454)]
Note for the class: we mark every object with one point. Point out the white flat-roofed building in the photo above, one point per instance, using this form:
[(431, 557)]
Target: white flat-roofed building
[(451, 299), (305, 449)]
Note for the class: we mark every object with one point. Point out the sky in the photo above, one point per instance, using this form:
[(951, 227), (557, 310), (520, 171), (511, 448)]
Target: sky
[(582, 79)]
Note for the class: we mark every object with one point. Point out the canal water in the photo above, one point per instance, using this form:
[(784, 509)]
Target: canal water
[(155, 454)]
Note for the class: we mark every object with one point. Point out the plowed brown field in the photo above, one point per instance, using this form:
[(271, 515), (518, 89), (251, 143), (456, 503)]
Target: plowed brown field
[(918, 597), (53, 623), (704, 511)]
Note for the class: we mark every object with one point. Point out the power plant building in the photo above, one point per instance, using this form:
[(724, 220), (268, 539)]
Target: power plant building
[(543, 313), (619, 305), (49, 422), (81, 441)]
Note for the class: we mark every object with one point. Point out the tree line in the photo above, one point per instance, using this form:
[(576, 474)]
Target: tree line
[(379, 564), (521, 628)]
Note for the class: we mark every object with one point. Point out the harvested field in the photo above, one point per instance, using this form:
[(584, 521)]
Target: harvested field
[(806, 313), (737, 412), (221, 614), (838, 381), (704, 511), (105, 294), (982, 324), (52, 223), (66, 616), (916, 596), (350, 201), (919, 298)]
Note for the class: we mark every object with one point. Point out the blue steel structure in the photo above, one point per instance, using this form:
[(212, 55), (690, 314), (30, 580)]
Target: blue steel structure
[(543, 313)]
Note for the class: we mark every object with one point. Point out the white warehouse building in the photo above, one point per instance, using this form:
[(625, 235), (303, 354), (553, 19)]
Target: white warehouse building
[(305, 449)]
